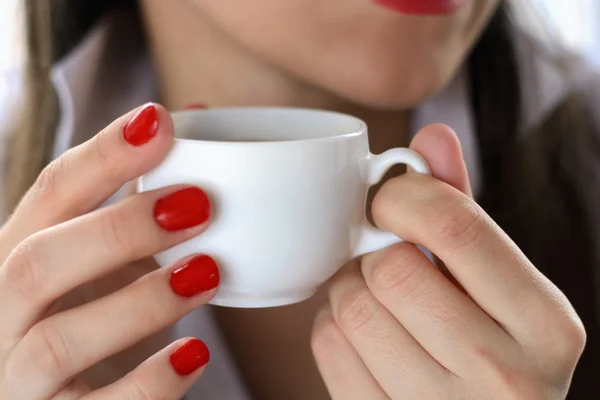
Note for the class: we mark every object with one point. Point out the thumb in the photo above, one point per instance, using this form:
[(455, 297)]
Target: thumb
[(440, 146)]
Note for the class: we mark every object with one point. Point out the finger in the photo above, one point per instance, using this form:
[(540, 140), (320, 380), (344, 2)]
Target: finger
[(344, 373), (59, 347), (85, 176), (483, 259), (440, 146), (395, 359), (440, 317), (54, 261), (167, 375)]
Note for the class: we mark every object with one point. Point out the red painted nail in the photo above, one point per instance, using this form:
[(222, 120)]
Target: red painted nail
[(195, 106), (190, 357), (142, 127), (182, 209), (198, 275)]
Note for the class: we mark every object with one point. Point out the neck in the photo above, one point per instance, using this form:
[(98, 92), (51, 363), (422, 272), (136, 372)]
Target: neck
[(196, 62)]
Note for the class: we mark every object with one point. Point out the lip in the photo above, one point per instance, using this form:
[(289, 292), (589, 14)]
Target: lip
[(422, 7)]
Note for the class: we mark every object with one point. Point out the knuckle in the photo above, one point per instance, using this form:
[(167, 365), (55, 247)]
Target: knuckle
[(116, 235), (458, 221), (142, 311), (566, 341), (326, 340), (558, 337), (398, 270), (509, 379), (355, 309), (515, 385), (101, 154), (500, 377), (47, 350), (577, 338), (46, 187), (23, 272), (139, 390)]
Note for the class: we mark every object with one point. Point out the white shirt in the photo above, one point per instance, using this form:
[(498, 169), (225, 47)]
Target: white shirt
[(108, 74)]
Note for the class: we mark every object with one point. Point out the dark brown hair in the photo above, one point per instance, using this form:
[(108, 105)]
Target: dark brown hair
[(538, 185), (53, 28)]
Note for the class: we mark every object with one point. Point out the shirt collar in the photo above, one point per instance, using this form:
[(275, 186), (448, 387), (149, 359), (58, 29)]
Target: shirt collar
[(109, 73)]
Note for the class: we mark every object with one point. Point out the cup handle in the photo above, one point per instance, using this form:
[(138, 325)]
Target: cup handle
[(371, 238)]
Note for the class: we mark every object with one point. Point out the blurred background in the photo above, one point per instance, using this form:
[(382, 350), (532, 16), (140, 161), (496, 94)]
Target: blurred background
[(577, 22)]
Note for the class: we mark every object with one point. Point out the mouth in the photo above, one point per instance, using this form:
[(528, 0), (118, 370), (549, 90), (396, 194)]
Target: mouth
[(422, 7)]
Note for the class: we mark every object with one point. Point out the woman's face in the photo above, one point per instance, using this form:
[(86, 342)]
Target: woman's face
[(386, 57)]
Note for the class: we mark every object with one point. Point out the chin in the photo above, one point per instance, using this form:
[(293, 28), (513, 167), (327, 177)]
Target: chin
[(391, 86), (393, 94)]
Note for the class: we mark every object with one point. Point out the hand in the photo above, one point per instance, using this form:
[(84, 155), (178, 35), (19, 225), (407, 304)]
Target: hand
[(397, 327), (57, 240)]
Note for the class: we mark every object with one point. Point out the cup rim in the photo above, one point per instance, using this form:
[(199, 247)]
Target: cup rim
[(359, 129)]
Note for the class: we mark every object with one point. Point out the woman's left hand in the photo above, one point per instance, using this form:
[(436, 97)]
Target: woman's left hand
[(491, 326)]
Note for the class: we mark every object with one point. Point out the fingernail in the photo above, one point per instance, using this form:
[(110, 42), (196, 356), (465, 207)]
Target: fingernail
[(189, 357), (195, 106), (142, 127), (182, 209), (198, 275)]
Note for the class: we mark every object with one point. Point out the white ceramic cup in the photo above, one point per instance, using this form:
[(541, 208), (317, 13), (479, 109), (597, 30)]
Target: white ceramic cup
[(288, 189)]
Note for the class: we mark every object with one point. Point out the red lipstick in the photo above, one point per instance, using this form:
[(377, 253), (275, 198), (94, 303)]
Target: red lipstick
[(422, 7)]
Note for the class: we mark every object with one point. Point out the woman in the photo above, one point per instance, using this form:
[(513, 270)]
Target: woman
[(486, 324)]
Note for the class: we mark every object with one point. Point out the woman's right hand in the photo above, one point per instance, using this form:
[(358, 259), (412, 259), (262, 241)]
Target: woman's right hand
[(57, 240)]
